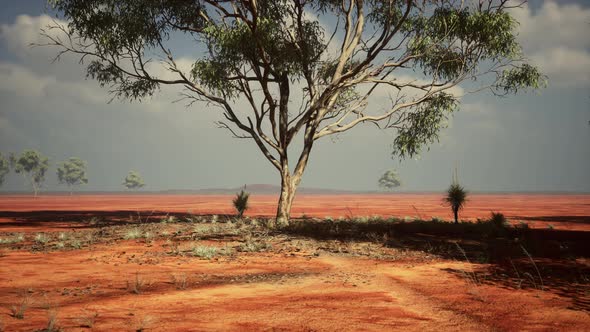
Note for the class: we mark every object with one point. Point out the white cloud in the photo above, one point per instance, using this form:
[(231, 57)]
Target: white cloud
[(564, 66), (555, 37), (24, 82), (25, 31)]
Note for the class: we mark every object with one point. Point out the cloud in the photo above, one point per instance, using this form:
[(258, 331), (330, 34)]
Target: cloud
[(19, 36), (23, 82), (555, 38), (564, 66)]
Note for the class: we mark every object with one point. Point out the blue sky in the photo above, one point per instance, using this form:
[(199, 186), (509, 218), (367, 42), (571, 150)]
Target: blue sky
[(530, 142)]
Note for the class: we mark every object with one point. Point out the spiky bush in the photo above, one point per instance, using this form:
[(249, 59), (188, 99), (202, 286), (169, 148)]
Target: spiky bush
[(241, 202), (456, 199), (498, 219)]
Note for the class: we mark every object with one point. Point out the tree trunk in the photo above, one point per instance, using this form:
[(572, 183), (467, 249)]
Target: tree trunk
[(456, 213), (288, 189)]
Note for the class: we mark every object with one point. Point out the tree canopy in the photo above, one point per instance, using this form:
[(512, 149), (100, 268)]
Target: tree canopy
[(32, 165), (389, 180), (287, 70), (72, 172), (133, 180)]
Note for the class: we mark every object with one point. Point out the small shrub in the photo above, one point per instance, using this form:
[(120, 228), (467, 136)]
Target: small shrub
[(76, 244), (148, 236), (241, 202), (52, 321), (134, 233), (143, 323), (214, 218), (18, 310), (41, 238), (13, 239), (498, 219), (169, 219), (522, 225), (60, 245), (550, 226), (254, 246), (180, 281), (88, 319), (137, 285), (206, 252)]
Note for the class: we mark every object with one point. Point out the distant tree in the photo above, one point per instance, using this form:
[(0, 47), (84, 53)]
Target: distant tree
[(133, 180), (456, 197), (280, 75), (241, 202), (32, 165), (389, 180), (72, 172), (4, 168)]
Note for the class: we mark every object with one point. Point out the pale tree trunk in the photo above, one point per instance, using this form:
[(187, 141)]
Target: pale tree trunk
[(35, 189), (290, 182), (286, 199)]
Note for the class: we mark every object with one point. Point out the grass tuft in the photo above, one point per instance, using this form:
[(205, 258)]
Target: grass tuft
[(206, 252), (18, 310), (132, 234)]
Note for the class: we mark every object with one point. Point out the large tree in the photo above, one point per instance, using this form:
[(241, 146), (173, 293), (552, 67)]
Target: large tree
[(72, 172), (282, 71), (32, 165)]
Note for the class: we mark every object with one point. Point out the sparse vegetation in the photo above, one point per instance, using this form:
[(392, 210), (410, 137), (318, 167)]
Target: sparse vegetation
[(52, 322), (42, 238), (180, 281), (206, 252), (16, 238), (18, 310), (137, 285), (132, 234), (240, 202), (87, 319)]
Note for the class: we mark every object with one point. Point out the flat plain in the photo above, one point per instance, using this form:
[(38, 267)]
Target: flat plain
[(348, 263)]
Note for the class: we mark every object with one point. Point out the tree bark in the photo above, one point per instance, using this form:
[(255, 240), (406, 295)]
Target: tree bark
[(288, 189), (456, 213)]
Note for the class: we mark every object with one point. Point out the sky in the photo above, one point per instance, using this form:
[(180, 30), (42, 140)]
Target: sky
[(536, 141)]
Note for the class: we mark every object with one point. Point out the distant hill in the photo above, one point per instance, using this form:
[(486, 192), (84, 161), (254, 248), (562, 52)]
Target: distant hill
[(268, 189)]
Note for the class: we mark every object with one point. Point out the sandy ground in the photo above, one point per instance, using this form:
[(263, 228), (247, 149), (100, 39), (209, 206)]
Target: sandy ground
[(113, 284)]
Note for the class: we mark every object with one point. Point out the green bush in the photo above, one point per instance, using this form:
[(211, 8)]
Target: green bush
[(241, 203)]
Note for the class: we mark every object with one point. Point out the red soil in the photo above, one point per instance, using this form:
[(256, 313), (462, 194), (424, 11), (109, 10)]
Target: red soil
[(561, 211), (280, 290)]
